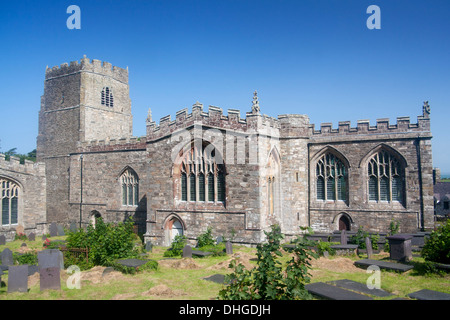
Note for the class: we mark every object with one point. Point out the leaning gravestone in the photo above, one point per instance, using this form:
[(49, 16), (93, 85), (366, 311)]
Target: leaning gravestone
[(7, 257), (148, 246), (50, 258), (50, 278), (187, 251), (32, 237), (2, 240), (369, 247), (53, 229), (18, 278), (228, 247)]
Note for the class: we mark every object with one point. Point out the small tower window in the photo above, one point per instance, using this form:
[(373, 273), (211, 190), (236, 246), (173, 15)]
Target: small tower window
[(107, 97)]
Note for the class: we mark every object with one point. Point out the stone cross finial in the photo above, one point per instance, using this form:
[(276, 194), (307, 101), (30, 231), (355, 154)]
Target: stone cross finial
[(426, 109), (255, 103)]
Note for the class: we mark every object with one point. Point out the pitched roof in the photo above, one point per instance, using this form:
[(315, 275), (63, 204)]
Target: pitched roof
[(441, 190)]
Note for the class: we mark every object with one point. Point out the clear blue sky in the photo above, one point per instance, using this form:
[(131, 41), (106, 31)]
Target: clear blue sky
[(314, 57)]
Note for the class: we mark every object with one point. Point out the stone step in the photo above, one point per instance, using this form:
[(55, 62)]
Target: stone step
[(331, 292), (364, 263)]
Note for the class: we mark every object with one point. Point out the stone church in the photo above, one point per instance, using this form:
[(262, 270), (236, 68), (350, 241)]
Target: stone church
[(237, 175)]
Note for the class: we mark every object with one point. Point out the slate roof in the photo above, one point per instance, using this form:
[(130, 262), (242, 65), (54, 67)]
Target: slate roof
[(442, 190)]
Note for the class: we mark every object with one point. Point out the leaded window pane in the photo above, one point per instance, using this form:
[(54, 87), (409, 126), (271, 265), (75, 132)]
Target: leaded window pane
[(201, 187), (14, 208), (210, 187), (5, 211), (320, 188), (183, 187), (373, 188), (193, 189)]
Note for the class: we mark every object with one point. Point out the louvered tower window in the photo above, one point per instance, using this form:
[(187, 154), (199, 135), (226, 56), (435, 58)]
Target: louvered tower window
[(107, 97)]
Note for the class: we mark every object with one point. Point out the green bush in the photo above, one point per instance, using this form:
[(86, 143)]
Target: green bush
[(26, 258), (323, 246), (176, 248), (106, 242), (205, 239), (437, 246), (270, 279)]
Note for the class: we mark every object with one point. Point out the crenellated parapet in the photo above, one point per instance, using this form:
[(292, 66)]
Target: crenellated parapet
[(85, 64), (132, 143), (363, 127), (213, 118), (13, 164)]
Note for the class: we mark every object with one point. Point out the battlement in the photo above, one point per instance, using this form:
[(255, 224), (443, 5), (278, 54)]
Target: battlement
[(382, 126), (214, 118), (14, 164), (131, 143), (85, 64)]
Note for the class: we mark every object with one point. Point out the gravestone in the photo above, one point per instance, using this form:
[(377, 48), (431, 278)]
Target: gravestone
[(20, 229), (132, 263), (2, 240), (53, 229), (50, 278), (32, 269), (73, 227), (219, 239), (365, 263), (50, 258), (18, 278), (7, 257), (187, 251), (32, 237), (369, 247), (400, 247), (148, 246), (60, 229), (343, 237), (331, 292), (426, 294), (229, 248), (217, 278)]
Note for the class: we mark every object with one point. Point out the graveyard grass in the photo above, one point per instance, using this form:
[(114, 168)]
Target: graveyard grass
[(182, 279)]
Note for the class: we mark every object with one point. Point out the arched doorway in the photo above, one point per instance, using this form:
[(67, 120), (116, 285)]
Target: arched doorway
[(93, 217), (173, 227), (344, 223)]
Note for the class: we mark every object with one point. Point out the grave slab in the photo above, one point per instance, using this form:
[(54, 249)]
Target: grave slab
[(133, 263), (187, 251), (50, 278), (217, 278), (53, 229), (199, 253), (2, 240), (7, 257), (364, 263), (360, 287), (427, 294), (331, 292), (50, 258), (228, 247)]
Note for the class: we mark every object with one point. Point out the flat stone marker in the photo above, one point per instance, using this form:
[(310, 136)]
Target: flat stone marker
[(345, 249), (50, 258), (217, 278), (360, 287), (32, 237), (187, 251), (364, 263), (50, 278), (331, 292), (7, 257), (426, 294), (228, 247), (18, 278), (53, 229), (2, 240), (133, 263), (199, 253)]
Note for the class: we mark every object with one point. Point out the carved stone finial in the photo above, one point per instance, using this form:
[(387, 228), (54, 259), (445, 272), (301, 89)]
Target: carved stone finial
[(149, 115), (426, 109), (255, 103)]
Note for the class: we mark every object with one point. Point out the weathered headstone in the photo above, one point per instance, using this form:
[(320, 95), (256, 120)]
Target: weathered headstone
[(60, 229), (187, 251), (20, 229), (369, 247), (219, 239), (32, 236), (228, 247), (73, 227), (343, 237), (7, 257), (2, 240), (50, 258), (18, 278), (148, 246), (53, 229), (50, 278)]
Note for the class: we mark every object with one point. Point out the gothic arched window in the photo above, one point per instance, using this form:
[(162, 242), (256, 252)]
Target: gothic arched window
[(202, 176), (130, 188), (385, 178), (107, 97), (9, 196), (331, 178)]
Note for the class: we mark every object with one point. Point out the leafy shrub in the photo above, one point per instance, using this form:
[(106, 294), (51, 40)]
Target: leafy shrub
[(176, 248), (20, 236), (26, 258), (216, 249), (106, 242), (437, 246), (205, 239), (269, 280), (360, 239), (323, 246)]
